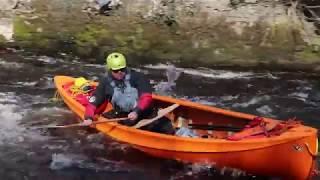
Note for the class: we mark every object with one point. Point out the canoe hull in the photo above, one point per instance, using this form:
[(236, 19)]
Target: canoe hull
[(292, 160), (291, 155), (267, 161)]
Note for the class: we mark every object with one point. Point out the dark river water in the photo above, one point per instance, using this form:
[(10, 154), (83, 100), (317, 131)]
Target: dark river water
[(26, 88)]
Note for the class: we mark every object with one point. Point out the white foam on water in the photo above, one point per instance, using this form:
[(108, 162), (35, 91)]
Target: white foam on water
[(46, 116), (116, 146), (215, 74), (38, 99), (42, 83), (10, 131), (229, 98), (299, 95), (55, 147), (232, 171), (47, 110), (307, 88), (254, 100), (141, 70), (11, 65), (299, 81), (12, 113), (95, 65), (199, 99), (205, 102), (265, 110), (209, 73), (48, 60), (270, 76), (8, 98), (45, 83), (96, 138), (196, 169), (26, 83), (62, 161)]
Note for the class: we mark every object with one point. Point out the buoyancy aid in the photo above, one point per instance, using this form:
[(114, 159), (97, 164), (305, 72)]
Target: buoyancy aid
[(125, 97)]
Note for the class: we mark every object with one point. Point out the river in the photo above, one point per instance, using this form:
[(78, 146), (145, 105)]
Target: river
[(26, 89)]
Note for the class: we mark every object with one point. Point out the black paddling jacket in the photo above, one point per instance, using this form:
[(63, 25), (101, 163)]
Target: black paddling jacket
[(104, 92)]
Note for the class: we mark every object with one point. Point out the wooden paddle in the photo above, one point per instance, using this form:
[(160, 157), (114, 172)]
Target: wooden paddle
[(83, 125), (144, 122), (161, 113)]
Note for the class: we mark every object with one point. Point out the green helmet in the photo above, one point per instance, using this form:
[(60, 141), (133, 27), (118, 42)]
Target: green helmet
[(116, 61)]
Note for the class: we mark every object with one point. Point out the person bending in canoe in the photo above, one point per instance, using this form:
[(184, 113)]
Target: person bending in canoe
[(129, 92)]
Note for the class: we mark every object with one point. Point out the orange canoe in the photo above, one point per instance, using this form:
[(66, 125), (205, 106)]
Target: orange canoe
[(289, 152)]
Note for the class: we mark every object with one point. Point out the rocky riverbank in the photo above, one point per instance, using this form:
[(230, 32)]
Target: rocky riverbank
[(210, 33)]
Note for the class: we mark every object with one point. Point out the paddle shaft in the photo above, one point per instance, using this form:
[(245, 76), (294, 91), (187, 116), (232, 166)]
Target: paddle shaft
[(161, 113), (93, 123), (110, 120)]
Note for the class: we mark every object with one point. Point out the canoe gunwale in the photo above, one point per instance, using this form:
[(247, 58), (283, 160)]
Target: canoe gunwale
[(211, 145)]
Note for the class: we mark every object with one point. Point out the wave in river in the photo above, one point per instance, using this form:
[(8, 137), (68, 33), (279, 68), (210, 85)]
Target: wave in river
[(204, 72)]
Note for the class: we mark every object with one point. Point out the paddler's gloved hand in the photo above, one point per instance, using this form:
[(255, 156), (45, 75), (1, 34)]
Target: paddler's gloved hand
[(87, 121), (132, 119), (133, 116)]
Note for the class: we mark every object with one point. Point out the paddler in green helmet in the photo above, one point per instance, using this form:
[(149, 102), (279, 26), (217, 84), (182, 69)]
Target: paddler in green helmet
[(130, 94)]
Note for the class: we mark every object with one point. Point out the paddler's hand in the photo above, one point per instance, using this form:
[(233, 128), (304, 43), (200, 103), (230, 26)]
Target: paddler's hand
[(87, 122), (133, 116)]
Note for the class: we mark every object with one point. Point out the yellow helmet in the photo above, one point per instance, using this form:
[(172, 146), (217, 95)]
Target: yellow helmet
[(115, 61)]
